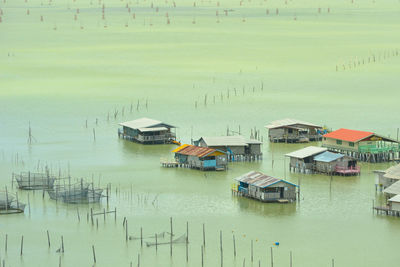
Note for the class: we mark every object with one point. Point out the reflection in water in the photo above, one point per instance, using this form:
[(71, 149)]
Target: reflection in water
[(265, 209)]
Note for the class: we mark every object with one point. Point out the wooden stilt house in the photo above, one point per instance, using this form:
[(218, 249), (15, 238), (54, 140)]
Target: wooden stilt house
[(387, 177), (202, 158), (294, 131), (365, 146), (335, 163), (302, 160), (265, 188), (238, 148), (147, 131)]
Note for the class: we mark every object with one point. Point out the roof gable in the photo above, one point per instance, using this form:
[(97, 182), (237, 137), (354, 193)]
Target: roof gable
[(198, 151), (260, 179), (145, 123), (306, 152), (290, 122), (328, 156)]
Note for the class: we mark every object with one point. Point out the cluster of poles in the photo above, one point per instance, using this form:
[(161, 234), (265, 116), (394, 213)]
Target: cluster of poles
[(373, 58)]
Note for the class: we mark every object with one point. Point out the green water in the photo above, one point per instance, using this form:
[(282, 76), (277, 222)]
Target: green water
[(57, 79)]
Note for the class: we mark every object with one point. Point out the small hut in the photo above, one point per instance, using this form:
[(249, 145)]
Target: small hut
[(302, 160), (147, 131), (238, 148), (394, 203), (335, 163), (265, 188), (294, 131), (387, 177), (202, 158), (365, 146)]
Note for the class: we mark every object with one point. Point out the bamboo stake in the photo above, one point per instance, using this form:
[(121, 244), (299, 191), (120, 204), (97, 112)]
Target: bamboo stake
[(48, 238), (94, 254)]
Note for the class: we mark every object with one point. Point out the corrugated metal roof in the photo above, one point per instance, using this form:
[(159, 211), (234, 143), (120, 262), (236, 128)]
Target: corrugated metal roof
[(396, 198), (229, 141), (144, 123), (393, 172), (393, 189), (328, 156), (259, 179), (306, 152), (198, 151), (289, 122), (348, 135), (154, 129)]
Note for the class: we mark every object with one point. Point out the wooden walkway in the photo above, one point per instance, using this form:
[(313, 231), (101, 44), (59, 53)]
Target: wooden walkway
[(386, 210)]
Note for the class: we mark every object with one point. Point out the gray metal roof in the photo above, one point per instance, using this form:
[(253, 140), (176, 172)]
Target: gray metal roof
[(306, 152), (236, 140), (396, 198), (289, 122), (328, 156), (154, 129), (144, 123), (259, 179), (393, 172), (394, 189)]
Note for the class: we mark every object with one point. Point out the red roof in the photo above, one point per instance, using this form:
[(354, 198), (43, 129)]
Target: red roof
[(348, 135), (191, 150)]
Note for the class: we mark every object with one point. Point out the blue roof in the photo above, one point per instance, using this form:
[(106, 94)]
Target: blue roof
[(328, 156)]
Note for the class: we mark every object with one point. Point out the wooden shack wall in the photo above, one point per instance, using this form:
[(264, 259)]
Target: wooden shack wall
[(395, 206), (289, 190), (329, 142), (255, 149)]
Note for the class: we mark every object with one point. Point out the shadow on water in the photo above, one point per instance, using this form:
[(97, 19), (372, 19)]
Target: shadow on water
[(265, 209)]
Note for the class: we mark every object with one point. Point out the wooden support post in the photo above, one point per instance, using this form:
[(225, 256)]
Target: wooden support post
[(62, 244), (94, 254), (48, 238), (251, 250), (220, 244), (234, 246), (272, 258), (126, 230), (202, 256), (204, 236), (5, 247), (171, 236), (22, 244), (141, 236), (77, 213)]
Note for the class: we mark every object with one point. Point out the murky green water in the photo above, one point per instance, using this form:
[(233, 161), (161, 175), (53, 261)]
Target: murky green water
[(58, 79)]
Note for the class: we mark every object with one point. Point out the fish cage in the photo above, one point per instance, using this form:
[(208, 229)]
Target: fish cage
[(81, 192), (34, 181), (9, 203)]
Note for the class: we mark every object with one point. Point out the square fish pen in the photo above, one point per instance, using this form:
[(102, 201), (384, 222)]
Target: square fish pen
[(81, 192), (9, 203), (34, 181)]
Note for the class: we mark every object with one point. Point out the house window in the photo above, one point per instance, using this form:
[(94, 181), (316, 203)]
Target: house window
[(290, 130), (339, 142), (324, 138), (351, 144)]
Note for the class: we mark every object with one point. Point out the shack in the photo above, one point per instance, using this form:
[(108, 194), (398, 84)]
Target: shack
[(147, 131), (302, 160), (365, 146), (238, 148), (294, 131), (336, 163), (265, 188), (386, 178), (202, 158)]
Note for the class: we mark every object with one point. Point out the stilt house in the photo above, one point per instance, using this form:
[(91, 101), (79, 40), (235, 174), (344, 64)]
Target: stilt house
[(202, 158), (265, 188), (237, 147), (365, 146), (294, 131), (302, 160), (147, 131), (336, 163)]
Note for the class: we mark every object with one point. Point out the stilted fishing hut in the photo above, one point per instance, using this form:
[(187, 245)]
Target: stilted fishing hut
[(202, 158), (294, 131), (302, 160), (238, 148), (34, 181), (76, 193), (364, 146), (9, 203), (387, 177), (265, 188), (147, 131), (335, 163)]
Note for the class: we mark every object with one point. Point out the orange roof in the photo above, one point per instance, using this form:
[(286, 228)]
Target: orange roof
[(348, 135), (198, 151)]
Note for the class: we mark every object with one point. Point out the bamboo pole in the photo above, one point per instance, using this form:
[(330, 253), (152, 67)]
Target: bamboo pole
[(48, 238)]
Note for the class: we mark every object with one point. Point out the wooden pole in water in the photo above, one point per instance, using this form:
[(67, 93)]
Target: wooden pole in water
[(6, 243), (62, 244), (204, 236), (333, 262), (220, 244), (291, 259), (251, 250), (234, 245), (272, 258), (48, 238), (94, 254), (141, 236), (187, 241), (77, 212), (22, 243), (156, 241), (202, 256), (170, 220), (126, 230)]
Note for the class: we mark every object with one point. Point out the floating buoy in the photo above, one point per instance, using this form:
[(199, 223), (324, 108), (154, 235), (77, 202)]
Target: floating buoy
[(276, 243)]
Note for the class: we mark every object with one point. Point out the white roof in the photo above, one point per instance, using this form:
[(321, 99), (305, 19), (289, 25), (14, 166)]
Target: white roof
[(394, 189), (143, 123), (229, 141), (393, 172), (289, 122), (396, 198), (306, 152), (154, 129)]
